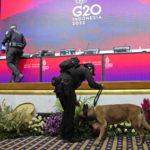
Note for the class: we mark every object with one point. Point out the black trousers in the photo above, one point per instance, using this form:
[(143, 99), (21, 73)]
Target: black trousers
[(67, 97), (12, 57)]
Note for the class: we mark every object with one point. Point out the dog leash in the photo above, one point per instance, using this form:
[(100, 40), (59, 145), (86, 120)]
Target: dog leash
[(97, 97)]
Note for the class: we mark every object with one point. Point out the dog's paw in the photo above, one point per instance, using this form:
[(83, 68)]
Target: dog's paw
[(139, 144), (96, 143)]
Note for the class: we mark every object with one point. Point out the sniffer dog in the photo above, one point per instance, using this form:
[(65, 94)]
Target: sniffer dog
[(113, 114)]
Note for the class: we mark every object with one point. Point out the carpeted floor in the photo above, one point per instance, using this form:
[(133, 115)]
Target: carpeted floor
[(54, 143)]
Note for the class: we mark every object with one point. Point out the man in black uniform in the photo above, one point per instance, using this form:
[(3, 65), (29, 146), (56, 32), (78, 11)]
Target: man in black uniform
[(65, 86), (15, 45)]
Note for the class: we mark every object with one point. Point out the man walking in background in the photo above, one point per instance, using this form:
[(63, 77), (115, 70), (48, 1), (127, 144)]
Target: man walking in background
[(15, 44)]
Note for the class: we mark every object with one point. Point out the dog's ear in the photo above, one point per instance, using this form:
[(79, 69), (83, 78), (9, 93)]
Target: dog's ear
[(85, 109)]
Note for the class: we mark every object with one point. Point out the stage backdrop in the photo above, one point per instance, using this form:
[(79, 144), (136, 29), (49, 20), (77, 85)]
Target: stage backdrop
[(112, 67), (80, 24), (127, 67), (50, 66), (29, 67)]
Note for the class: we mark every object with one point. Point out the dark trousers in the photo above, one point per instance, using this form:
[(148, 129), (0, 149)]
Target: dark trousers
[(68, 116), (67, 97), (12, 57)]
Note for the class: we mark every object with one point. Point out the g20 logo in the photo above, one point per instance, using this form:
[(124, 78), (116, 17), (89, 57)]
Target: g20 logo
[(86, 10)]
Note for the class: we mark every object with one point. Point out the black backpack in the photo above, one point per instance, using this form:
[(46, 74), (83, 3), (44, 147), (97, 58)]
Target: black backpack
[(70, 63)]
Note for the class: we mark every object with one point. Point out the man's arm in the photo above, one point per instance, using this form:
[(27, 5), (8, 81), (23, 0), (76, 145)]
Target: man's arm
[(91, 81), (24, 41), (7, 37)]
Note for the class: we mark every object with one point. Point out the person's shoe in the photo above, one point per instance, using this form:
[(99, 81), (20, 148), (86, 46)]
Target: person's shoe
[(71, 140), (61, 137), (20, 77), (11, 81)]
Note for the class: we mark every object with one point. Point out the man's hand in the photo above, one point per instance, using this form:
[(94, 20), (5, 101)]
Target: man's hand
[(77, 103), (103, 86), (3, 47)]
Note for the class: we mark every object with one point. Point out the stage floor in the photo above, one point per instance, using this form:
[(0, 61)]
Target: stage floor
[(55, 143)]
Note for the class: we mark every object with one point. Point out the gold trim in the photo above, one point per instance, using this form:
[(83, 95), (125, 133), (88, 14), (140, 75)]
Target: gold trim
[(28, 92), (78, 92), (112, 92), (126, 85)]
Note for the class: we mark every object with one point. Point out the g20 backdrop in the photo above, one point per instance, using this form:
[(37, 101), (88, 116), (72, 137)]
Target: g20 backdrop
[(80, 24), (109, 67)]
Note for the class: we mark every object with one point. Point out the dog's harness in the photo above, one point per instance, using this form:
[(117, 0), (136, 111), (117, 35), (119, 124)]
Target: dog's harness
[(97, 97)]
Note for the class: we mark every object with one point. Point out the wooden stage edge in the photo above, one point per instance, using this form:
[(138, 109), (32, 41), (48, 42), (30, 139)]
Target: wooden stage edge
[(45, 88)]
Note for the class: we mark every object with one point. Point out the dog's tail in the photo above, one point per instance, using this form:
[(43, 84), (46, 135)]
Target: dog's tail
[(144, 122)]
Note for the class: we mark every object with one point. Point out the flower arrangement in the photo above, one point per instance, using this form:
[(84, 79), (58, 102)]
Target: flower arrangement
[(52, 124), (36, 125), (122, 129), (11, 122), (146, 107)]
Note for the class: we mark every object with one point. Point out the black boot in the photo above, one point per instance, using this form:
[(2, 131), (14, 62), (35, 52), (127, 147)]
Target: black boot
[(12, 78), (20, 77), (72, 140), (11, 81)]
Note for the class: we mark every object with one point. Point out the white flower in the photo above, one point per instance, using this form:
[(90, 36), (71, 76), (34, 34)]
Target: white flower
[(125, 130), (30, 122), (133, 131), (42, 122), (110, 126), (34, 119), (118, 129), (40, 118), (115, 125), (35, 125), (35, 129), (122, 123), (35, 115), (128, 124)]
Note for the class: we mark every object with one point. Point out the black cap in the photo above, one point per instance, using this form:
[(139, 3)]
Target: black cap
[(90, 65)]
